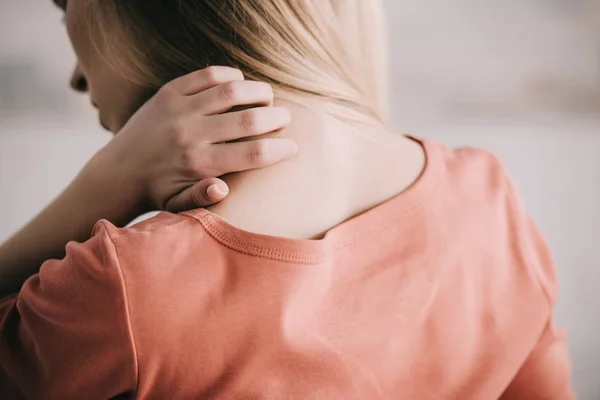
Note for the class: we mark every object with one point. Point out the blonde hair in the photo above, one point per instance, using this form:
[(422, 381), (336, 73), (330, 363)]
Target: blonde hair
[(325, 54)]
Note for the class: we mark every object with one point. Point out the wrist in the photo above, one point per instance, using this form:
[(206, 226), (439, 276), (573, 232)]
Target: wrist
[(108, 191)]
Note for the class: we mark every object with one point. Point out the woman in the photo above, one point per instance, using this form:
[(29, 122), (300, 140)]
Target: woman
[(368, 266)]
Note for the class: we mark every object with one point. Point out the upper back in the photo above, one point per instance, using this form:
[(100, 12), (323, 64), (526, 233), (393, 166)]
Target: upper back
[(415, 298)]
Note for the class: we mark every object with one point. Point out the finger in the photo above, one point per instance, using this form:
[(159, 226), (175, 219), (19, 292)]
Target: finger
[(242, 156), (242, 124), (203, 194), (221, 98), (204, 79)]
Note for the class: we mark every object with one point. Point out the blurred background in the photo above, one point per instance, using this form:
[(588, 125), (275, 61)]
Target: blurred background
[(519, 77)]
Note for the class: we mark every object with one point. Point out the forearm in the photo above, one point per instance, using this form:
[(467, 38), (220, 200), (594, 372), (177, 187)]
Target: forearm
[(71, 217)]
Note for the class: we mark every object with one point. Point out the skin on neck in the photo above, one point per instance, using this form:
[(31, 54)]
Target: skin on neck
[(341, 170)]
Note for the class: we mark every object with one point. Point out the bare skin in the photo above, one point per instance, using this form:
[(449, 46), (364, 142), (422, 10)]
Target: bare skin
[(340, 171)]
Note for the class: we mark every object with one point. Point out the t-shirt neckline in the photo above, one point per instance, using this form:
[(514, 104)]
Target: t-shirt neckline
[(309, 251)]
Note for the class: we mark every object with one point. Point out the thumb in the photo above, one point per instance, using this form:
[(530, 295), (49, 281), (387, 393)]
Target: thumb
[(203, 194)]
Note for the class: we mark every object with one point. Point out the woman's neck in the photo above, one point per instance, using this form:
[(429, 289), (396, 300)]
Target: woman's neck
[(340, 170)]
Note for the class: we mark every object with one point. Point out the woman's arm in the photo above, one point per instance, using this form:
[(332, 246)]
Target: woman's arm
[(166, 157), (67, 334), (546, 374)]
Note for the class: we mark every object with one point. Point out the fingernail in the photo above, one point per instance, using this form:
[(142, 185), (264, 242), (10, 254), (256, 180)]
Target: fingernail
[(217, 190)]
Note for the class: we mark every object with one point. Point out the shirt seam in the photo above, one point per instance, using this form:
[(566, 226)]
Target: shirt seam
[(539, 280), (298, 257), (127, 308), (519, 209)]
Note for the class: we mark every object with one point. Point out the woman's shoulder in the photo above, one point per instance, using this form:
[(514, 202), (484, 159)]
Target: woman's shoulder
[(478, 195), (157, 247), (465, 162), (470, 175)]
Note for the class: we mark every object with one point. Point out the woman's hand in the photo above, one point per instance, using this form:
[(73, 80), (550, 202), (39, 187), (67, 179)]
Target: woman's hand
[(170, 152), (166, 157)]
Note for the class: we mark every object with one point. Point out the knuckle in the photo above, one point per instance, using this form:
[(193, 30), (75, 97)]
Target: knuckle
[(231, 91), (211, 74), (195, 165), (178, 135), (167, 90), (256, 153), (199, 198), (249, 121)]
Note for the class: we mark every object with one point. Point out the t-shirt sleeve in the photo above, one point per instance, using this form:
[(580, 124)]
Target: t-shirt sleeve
[(67, 335), (546, 373)]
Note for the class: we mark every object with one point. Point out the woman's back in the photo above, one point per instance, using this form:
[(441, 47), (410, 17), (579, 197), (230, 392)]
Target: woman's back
[(444, 291)]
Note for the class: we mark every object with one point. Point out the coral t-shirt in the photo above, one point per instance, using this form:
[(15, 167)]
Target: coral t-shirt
[(443, 292)]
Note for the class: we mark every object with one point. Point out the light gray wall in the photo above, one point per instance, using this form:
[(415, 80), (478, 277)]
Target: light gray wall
[(521, 77)]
